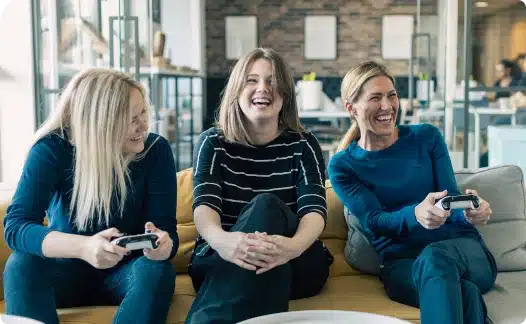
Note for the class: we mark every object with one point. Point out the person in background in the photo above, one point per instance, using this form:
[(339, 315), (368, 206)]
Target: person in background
[(259, 200), (390, 179), (521, 62), (508, 75), (96, 173)]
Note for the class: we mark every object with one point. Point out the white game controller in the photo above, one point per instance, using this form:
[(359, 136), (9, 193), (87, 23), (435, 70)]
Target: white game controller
[(458, 202), (137, 242)]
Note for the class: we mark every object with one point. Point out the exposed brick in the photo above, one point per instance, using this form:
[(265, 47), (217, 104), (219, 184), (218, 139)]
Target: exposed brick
[(281, 26)]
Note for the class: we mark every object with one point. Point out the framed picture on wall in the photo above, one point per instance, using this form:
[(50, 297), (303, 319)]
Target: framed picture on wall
[(241, 35), (397, 31), (321, 37)]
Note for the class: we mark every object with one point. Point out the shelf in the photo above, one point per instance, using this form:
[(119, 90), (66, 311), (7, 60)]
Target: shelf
[(71, 69)]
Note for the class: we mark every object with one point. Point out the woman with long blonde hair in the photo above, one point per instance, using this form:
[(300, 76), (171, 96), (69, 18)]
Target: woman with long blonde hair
[(389, 178), (96, 173), (259, 200)]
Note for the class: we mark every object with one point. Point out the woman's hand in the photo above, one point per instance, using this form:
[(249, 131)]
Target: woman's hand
[(481, 215), (285, 250), (430, 216), (164, 244), (235, 245), (100, 252)]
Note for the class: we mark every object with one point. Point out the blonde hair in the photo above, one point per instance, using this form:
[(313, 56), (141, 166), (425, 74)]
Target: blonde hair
[(231, 118), (351, 89), (94, 112)]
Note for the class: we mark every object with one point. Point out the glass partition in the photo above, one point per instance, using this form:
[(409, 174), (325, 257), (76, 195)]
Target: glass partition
[(73, 35)]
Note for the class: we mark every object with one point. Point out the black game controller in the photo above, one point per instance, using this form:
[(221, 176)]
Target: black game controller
[(458, 202), (137, 242)]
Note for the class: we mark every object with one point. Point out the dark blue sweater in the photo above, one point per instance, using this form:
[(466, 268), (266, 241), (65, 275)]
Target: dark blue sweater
[(382, 188), (46, 185)]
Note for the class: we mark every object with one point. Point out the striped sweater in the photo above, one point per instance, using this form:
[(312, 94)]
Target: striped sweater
[(228, 175)]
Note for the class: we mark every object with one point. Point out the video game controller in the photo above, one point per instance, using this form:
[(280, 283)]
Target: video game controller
[(137, 242), (458, 202)]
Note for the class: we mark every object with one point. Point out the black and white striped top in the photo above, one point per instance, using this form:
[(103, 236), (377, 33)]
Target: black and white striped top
[(228, 175)]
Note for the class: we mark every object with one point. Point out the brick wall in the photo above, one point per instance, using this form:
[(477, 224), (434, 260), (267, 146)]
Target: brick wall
[(280, 26)]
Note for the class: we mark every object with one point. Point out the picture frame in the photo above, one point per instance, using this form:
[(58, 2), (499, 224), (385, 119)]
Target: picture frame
[(397, 31), (321, 37), (241, 35)]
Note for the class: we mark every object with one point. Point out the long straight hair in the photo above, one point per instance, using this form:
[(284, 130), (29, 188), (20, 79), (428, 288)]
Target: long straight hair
[(231, 119), (351, 90), (94, 112)]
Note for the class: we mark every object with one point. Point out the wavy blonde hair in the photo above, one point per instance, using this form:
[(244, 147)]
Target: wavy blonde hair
[(94, 112), (351, 90), (231, 119)]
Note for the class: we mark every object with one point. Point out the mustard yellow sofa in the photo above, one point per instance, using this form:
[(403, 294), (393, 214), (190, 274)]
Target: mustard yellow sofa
[(346, 289)]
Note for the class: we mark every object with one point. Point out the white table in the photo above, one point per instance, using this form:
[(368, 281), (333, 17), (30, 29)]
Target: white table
[(10, 319), (477, 112), (507, 145), (324, 317)]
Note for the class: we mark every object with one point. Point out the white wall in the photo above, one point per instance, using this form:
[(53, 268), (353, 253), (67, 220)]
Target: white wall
[(17, 118), (183, 23)]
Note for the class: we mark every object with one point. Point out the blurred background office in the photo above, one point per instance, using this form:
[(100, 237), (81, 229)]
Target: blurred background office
[(183, 50)]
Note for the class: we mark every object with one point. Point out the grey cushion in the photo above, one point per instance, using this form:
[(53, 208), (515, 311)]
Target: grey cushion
[(505, 234), (506, 300), (358, 251)]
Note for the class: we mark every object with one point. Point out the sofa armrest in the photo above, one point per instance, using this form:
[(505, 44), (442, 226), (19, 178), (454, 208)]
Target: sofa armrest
[(4, 249)]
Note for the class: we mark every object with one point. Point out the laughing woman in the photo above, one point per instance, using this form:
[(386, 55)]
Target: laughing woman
[(389, 178), (259, 200), (95, 172)]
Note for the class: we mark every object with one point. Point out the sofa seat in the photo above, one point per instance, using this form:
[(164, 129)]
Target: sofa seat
[(362, 293), (346, 289), (506, 300)]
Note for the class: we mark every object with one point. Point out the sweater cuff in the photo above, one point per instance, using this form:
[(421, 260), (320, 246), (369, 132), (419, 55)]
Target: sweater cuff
[(33, 237), (410, 217)]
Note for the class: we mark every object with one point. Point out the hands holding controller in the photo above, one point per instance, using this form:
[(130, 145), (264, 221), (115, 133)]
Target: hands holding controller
[(164, 244), (101, 253), (431, 216)]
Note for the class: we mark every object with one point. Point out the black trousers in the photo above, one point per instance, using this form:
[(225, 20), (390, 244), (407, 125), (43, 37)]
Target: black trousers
[(227, 293)]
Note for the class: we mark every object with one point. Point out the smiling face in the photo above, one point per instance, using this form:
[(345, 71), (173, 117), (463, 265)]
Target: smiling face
[(134, 142), (259, 99), (377, 106)]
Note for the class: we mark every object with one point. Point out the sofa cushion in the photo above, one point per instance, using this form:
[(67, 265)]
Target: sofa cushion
[(362, 293), (357, 293), (185, 221), (358, 251), (335, 227), (505, 233), (340, 267), (505, 301)]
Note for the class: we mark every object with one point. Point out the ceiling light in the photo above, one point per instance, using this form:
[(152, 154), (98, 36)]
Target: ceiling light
[(481, 4)]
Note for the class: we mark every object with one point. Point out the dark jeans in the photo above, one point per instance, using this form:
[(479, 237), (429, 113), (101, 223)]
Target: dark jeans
[(446, 281), (34, 287), (228, 293)]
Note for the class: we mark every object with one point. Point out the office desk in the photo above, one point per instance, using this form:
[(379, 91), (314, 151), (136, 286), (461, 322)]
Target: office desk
[(477, 112)]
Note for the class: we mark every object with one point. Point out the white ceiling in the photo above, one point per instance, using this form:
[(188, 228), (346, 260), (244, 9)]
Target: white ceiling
[(493, 6)]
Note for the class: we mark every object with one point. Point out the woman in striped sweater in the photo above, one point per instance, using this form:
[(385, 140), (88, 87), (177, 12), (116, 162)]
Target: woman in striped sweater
[(259, 200)]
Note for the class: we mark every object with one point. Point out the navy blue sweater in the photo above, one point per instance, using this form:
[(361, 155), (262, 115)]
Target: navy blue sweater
[(382, 188), (46, 185)]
